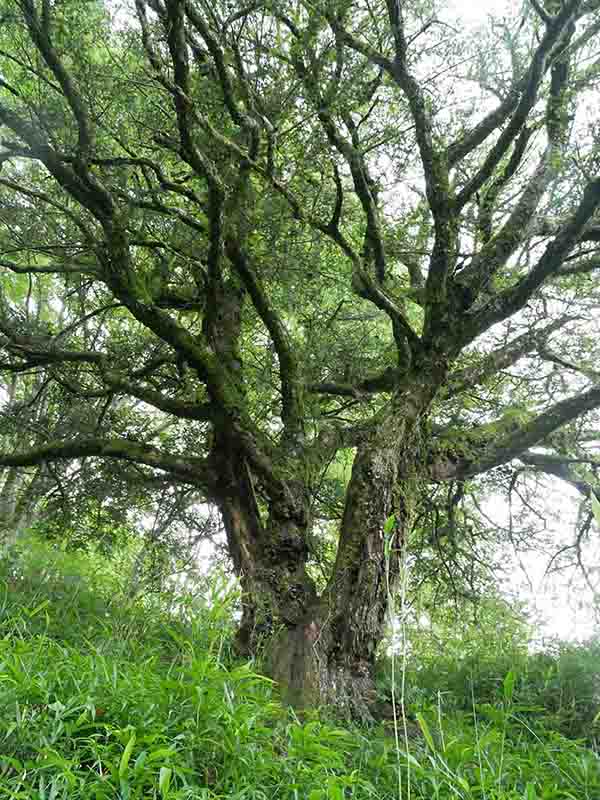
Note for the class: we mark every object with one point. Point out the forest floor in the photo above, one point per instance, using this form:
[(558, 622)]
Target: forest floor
[(102, 696)]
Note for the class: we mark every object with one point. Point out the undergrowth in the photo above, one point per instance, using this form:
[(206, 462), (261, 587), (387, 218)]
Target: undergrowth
[(105, 697), (459, 666)]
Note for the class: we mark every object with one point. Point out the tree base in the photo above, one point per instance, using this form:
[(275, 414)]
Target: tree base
[(308, 677)]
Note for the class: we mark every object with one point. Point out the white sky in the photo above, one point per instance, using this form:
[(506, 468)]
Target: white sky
[(476, 11)]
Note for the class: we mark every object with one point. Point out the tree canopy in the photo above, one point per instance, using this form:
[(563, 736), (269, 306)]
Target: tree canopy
[(246, 246)]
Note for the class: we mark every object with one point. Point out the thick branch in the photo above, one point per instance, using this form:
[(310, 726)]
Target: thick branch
[(501, 449), (40, 37), (510, 301), (500, 359), (178, 408), (559, 467), (89, 194), (288, 366), (581, 266), (363, 48), (351, 152), (190, 469), (498, 249), (365, 287), (539, 64), (435, 169), (32, 355), (26, 191), (490, 123), (488, 203), (547, 355), (49, 269), (385, 381)]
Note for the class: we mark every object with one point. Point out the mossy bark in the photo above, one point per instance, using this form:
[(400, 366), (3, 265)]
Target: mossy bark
[(329, 658), (322, 649)]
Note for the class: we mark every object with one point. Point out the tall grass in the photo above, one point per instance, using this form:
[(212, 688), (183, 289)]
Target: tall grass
[(101, 697)]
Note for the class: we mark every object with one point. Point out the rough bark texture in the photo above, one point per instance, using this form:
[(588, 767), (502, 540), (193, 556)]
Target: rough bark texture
[(322, 649), (328, 657)]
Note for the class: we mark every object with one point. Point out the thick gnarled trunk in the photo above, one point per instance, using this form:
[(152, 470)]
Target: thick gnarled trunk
[(269, 551), (322, 649), (329, 658)]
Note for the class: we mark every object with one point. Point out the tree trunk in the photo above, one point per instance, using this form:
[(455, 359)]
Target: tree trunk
[(269, 554), (322, 649), (329, 658), (19, 499)]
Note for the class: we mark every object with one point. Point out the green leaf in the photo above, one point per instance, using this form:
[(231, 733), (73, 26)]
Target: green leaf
[(334, 790), (509, 685), (164, 780), (426, 731), (530, 792), (124, 763), (140, 761), (37, 609), (162, 753), (390, 522), (389, 532)]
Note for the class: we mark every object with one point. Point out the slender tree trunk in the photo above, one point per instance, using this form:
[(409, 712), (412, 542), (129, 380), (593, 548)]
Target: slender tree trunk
[(19, 502), (8, 503), (28, 503)]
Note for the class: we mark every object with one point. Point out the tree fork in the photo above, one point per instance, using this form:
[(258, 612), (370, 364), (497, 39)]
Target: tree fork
[(328, 655)]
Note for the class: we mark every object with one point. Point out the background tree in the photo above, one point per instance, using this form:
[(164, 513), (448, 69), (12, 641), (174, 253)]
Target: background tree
[(287, 235)]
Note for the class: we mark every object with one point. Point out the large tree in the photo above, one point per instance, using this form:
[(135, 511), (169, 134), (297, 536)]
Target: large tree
[(284, 233)]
